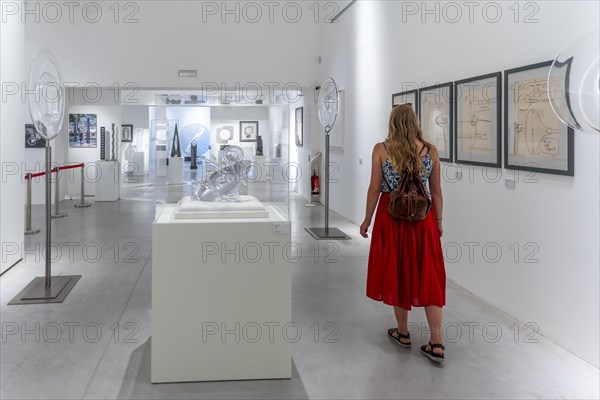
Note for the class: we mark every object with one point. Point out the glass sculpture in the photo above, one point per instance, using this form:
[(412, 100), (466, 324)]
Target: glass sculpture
[(574, 84), (225, 177)]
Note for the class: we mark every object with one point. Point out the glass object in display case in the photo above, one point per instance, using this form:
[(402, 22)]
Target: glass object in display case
[(226, 170)]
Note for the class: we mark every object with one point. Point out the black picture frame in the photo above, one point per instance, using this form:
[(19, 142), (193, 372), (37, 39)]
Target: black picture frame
[(535, 139), (299, 124), (248, 131), (33, 140), (83, 129), (433, 121), (478, 126), (126, 133), (408, 96)]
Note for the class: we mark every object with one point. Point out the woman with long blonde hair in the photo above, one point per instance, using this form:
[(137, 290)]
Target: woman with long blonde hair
[(406, 263)]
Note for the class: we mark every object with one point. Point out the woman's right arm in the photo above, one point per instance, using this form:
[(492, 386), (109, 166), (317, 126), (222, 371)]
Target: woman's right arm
[(435, 187), (374, 189)]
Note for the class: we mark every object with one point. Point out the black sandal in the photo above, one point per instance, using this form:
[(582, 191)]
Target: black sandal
[(430, 354), (400, 336)]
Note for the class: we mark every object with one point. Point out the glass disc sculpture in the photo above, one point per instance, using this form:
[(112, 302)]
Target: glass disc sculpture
[(47, 103), (574, 83), (328, 103)]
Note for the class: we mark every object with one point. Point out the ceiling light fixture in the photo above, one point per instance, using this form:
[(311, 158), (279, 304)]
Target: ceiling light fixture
[(187, 73)]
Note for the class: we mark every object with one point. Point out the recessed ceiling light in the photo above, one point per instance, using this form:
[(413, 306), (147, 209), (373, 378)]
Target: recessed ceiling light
[(187, 73)]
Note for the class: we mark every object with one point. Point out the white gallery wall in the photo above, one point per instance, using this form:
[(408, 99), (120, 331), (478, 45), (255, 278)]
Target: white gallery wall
[(12, 144), (380, 48), (147, 42)]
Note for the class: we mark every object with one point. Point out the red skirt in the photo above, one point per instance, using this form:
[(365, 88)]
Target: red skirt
[(406, 262)]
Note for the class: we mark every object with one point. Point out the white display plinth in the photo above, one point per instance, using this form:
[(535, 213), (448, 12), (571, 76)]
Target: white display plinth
[(161, 163), (108, 182), (221, 298), (175, 171), (138, 161)]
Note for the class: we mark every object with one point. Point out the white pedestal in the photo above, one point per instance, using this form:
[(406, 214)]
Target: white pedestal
[(221, 298), (138, 161), (161, 163), (175, 171), (108, 183)]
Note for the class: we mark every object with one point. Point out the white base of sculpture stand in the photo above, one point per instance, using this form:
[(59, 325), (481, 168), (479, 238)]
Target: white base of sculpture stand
[(108, 183), (220, 310), (175, 171)]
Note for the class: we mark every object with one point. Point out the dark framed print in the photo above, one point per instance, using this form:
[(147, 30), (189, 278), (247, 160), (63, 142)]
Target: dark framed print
[(435, 105), (83, 130), (477, 126), (248, 131), (408, 97), (534, 138), (126, 133), (299, 119), (32, 139)]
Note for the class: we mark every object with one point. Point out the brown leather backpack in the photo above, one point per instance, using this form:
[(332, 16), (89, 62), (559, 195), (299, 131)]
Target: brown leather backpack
[(409, 201)]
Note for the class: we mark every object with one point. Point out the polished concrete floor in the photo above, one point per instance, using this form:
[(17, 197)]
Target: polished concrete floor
[(96, 345)]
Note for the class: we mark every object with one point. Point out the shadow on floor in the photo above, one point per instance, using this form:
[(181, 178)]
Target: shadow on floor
[(136, 384)]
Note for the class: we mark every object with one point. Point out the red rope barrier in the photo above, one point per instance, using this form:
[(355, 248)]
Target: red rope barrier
[(54, 170), (71, 166)]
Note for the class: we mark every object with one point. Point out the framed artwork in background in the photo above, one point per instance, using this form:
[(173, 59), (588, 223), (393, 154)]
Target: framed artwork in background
[(336, 136), (299, 119), (126, 133), (534, 138), (408, 97), (32, 139), (477, 109), (436, 114), (83, 130), (248, 131)]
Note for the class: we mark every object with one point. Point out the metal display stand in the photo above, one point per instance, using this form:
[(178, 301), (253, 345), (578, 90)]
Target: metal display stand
[(45, 72), (328, 110)]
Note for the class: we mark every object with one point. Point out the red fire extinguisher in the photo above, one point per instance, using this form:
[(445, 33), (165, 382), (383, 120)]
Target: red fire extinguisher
[(315, 183)]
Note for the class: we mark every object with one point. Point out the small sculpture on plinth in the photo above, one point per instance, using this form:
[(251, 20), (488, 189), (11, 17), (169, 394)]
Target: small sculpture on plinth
[(175, 148), (194, 155), (259, 146)]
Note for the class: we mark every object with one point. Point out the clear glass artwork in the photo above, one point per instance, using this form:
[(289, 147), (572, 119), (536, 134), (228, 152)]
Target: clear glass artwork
[(225, 177), (574, 84), (47, 106)]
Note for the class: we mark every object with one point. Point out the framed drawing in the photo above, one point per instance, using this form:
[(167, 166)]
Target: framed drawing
[(407, 97), (435, 106), (82, 130), (248, 131), (477, 109), (534, 138), (126, 133), (32, 139), (336, 136), (299, 126)]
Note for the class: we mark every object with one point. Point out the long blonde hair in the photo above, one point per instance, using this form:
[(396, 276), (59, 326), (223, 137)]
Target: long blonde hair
[(404, 130)]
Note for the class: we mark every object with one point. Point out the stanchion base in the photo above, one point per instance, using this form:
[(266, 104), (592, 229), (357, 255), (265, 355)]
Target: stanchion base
[(327, 234), (36, 292), (84, 205), (58, 215), (32, 232)]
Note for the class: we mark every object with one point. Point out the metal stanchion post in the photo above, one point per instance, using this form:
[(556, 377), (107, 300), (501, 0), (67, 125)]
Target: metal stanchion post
[(28, 229), (57, 213), (82, 203)]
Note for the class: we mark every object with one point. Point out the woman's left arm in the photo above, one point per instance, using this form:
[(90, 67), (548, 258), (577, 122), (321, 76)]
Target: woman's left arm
[(374, 189)]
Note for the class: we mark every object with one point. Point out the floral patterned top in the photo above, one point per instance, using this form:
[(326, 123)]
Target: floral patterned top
[(393, 177)]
